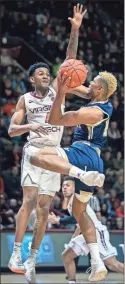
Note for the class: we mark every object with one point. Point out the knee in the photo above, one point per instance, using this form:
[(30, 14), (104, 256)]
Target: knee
[(65, 257), (29, 204), (42, 211)]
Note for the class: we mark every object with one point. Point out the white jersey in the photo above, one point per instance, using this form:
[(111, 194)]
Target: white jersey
[(36, 111)]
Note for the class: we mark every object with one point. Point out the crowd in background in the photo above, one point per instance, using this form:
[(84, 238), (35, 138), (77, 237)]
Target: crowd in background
[(101, 47)]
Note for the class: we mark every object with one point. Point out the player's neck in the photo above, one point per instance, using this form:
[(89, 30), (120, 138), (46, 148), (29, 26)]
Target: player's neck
[(41, 93), (99, 99)]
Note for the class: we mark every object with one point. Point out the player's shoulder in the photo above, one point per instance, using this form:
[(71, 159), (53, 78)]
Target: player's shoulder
[(105, 106), (52, 90), (27, 94)]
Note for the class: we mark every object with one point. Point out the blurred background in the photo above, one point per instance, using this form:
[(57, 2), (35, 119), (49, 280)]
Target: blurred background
[(34, 31)]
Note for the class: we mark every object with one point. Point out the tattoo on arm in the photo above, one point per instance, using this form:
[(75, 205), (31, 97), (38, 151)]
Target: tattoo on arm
[(73, 45)]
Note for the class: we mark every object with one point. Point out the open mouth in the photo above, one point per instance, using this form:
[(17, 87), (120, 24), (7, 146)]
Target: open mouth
[(45, 81)]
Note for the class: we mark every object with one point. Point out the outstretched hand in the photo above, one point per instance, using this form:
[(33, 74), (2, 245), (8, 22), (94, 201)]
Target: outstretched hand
[(78, 15), (62, 82)]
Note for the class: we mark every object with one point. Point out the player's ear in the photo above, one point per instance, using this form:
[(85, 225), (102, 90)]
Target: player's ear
[(100, 87), (31, 79)]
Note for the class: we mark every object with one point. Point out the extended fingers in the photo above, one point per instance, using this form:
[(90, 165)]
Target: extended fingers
[(77, 8), (81, 9), (65, 79), (74, 10), (84, 12), (43, 130)]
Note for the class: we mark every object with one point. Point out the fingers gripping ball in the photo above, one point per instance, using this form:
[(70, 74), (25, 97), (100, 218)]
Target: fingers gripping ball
[(75, 70)]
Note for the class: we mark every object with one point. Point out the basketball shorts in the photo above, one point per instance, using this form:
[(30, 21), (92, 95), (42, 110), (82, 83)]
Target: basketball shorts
[(46, 181), (84, 157), (80, 247)]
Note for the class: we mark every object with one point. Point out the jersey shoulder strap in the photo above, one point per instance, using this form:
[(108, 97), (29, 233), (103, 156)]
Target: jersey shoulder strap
[(105, 106)]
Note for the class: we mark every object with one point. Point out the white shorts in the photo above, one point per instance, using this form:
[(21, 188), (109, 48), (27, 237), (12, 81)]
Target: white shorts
[(80, 247), (46, 181)]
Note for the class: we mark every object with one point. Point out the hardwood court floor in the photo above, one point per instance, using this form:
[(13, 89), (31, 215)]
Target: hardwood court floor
[(43, 278)]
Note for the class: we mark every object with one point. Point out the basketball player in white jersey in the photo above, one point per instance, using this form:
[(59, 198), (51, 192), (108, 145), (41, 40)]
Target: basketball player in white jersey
[(78, 246), (39, 186)]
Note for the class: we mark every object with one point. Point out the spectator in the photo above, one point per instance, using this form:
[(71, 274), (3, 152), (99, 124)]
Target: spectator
[(1, 185), (120, 210), (12, 182), (119, 184), (119, 224), (114, 134), (118, 161), (108, 160), (110, 203)]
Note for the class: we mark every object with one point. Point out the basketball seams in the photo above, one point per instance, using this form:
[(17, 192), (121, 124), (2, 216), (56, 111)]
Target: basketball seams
[(76, 77)]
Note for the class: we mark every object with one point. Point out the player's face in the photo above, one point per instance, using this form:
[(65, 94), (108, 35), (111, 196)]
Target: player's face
[(68, 188), (41, 78), (94, 87)]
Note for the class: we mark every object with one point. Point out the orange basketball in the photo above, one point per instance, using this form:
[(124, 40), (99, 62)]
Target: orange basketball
[(76, 70)]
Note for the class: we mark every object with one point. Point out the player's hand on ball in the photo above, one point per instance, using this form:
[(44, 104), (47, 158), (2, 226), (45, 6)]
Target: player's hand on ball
[(38, 128), (62, 83), (78, 15)]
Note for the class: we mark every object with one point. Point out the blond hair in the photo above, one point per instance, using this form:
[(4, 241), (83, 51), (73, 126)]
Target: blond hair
[(110, 80)]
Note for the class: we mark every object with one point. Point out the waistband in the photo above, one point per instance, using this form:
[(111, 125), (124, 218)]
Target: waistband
[(89, 144)]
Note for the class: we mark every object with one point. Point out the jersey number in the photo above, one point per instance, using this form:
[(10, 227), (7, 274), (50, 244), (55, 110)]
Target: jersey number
[(90, 132), (106, 128)]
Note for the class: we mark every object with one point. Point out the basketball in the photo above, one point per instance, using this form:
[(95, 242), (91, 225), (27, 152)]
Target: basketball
[(76, 70)]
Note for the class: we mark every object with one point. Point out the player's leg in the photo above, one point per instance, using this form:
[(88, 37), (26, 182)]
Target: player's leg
[(76, 247), (29, 203), (60, 164), (113, 264), (108, 252), (29, 180), (49, 183), (43, 206), (89, 233), (68, 257)]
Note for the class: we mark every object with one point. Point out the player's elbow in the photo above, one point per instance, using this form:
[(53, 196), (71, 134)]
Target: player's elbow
[(10, 132), (53, 121)]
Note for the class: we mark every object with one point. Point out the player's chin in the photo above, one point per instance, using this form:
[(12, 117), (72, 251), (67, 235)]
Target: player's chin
[(45, 85)]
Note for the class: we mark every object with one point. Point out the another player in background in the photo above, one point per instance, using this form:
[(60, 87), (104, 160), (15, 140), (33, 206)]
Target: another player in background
[(78, 246), (39, 186), (89, 138)]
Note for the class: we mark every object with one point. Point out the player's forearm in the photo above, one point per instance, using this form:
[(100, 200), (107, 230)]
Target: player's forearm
[(73, 44), (17, 130), (56, 112)]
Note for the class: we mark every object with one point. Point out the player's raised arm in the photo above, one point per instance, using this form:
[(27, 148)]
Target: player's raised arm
[(76, 22), (15, 128)]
